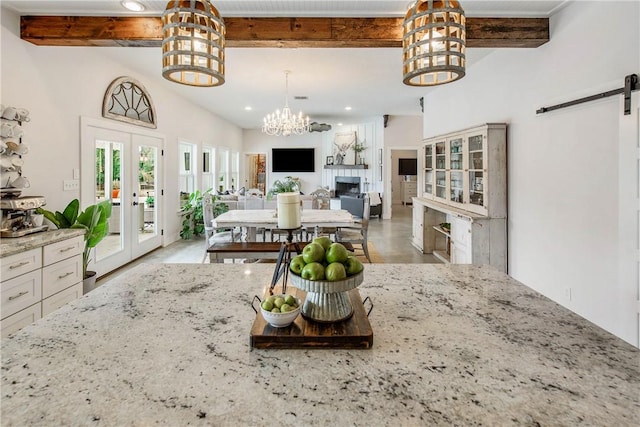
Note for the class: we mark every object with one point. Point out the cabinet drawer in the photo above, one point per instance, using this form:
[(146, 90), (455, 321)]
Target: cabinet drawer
[(24, 262), (21, 319), (56, 301), (61, 250), (61, 275), (21, 292)]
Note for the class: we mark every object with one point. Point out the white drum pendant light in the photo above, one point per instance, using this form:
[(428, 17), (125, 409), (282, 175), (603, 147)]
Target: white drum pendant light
[(433, 43), (193, 43)]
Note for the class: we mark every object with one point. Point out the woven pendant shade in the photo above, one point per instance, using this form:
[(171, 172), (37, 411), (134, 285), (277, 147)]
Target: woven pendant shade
[(193, 43), (433, 43)]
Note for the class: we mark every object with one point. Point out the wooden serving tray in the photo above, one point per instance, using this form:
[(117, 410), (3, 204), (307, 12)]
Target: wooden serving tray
[(353, 333)]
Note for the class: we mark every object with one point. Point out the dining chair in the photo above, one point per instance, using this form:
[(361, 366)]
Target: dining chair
[(211, 234), (321, 199), (357, 235), (255, 201)]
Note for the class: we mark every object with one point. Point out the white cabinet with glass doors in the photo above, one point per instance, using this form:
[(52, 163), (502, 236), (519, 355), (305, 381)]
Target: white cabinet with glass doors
[(467, 169)]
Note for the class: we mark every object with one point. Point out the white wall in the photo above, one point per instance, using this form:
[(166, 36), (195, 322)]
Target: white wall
[(396, 178), (563, 166), (60, 84), (257, 142), (402, 132), (368, 132)]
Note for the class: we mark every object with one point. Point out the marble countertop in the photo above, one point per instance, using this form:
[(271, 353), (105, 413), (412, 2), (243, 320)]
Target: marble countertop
[(14, 245), (168, 344)]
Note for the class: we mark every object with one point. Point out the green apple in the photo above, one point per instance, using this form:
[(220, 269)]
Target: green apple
[(313, 252), (353, 266), (336, 253), (278, 302), (296, 264), (335, 271), (313, 271), (267, 305), (324, 241), (290, 300), (285, 308)]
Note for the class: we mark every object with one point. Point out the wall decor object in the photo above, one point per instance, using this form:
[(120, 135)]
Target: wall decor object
[(329, 160), (128, 101), (343, 144)]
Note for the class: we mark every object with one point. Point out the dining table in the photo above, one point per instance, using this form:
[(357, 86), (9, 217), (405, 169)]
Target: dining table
[(251, 219)]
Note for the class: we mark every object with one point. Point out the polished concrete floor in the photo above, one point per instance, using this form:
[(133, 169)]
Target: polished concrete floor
[(390, 237)]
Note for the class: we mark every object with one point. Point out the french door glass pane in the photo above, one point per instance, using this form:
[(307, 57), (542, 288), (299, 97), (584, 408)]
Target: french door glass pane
[(108, 180), (147, 185)]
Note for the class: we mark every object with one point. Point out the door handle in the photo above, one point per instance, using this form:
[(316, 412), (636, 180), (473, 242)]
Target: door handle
[(135, 203)]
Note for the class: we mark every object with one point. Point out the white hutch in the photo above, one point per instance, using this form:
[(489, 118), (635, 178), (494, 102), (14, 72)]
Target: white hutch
[(463, 182)]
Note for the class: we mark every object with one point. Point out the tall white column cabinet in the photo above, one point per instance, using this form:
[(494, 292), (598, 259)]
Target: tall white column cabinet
[(463, 184)]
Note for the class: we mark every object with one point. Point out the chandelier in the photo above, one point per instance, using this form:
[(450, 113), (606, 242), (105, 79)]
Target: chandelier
[(433, 43), (284, 123), (193, 43)]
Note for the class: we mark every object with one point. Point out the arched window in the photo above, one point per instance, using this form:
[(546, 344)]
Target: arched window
[(127, 100)]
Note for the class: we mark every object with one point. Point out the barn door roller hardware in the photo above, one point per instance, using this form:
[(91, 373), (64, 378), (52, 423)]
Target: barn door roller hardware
[(630, 85)]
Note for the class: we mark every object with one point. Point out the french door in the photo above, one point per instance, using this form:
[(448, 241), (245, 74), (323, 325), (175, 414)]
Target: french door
[(123, 164)]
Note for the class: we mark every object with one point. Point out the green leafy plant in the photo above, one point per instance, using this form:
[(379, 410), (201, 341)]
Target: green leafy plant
[(193, 216), (359, 147), (288, 185), (94, 220)]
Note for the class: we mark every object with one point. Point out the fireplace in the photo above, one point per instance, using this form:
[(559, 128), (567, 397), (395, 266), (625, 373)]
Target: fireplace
[(347, 186)]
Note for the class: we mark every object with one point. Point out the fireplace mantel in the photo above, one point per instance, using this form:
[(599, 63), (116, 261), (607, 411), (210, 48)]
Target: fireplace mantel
[(346, 166)]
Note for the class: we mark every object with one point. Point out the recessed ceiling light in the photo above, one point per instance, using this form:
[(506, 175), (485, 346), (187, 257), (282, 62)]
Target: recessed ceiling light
[(133, 6), (339, 124), (248, 108), (347, 108)]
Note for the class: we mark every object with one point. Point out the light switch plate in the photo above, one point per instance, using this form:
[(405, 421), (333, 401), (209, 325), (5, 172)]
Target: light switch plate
[(76, 173), (71, 184)]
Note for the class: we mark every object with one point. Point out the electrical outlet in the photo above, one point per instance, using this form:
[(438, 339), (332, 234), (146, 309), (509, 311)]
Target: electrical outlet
[(76, 173), (567, 294), (71, 184)]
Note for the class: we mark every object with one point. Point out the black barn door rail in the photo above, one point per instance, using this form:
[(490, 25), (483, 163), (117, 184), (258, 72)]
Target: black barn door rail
[(630, 85)]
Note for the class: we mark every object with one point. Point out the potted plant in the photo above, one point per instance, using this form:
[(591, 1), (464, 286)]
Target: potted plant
[(193, 217), (288, 185), (358, 148), (94, 220)]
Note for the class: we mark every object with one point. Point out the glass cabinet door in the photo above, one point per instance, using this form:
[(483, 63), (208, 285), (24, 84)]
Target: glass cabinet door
[(441, 174), (476, 170), (456, 192), (428, 169)]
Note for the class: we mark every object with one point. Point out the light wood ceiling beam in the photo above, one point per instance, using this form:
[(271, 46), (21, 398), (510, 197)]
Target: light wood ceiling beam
[(274, 32)]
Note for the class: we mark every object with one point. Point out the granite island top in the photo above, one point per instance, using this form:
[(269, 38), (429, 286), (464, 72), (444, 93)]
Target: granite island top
[(14, 245), (168, 344)]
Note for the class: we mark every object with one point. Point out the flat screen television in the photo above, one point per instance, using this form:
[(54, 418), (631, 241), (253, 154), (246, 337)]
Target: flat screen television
[(293, 160), (407, 166)]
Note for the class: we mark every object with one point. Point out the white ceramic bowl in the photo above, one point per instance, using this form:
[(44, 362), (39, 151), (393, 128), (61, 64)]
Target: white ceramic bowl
[(281, 320)]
